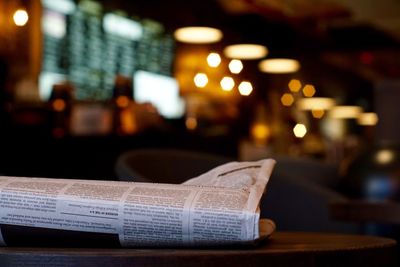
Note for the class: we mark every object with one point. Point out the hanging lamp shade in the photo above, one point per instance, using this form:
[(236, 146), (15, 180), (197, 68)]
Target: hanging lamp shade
[(279, 65), (198, 35), (245, 51)]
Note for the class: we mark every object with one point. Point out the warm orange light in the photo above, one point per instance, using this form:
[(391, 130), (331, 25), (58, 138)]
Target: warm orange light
[(300, 130), (385, 156), (20, 17), (235, 66), (287, 99), (198, 35), (245, 88), (317, 113), (122, 101), (200, 80), (260, 132), (128, 122), (345, 112), (367, 119), (309, 90), (279, 65), (191, 123), (245, 51), (59, 105), (227, 83), (314, 103), (213, 60), (294, 85)]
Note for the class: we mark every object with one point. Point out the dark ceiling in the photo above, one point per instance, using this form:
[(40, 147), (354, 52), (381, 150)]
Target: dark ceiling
[(324, 35), (313, 29)]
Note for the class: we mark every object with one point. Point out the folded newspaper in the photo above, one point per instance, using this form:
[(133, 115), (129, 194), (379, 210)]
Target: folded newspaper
[(220, 207)]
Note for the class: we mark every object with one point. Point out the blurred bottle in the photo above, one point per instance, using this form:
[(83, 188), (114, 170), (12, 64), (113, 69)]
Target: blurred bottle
[(60, 102), (124, 121), (122, 87), (260, 131)]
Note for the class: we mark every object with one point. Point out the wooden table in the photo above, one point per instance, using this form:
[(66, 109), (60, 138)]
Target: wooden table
[(281, 249)]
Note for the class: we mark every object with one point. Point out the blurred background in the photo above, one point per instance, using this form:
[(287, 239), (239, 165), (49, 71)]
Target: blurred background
[(84, 81)]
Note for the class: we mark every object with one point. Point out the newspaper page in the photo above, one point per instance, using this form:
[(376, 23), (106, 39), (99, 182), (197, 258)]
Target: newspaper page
[(218, 207)]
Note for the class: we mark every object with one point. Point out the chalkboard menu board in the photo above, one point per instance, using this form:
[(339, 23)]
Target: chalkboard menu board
[(88, 46)]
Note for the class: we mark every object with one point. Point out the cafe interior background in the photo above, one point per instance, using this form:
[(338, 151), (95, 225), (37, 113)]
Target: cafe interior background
[(83, 82)]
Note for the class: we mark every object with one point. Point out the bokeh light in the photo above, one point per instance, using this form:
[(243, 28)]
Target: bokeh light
[(260, 132), (235, 66), (287, 99), (309, 90), (294, 85), (200, 80), (122, 101), (213, 60), (227, 83), (245, 51), (198, 35), (318, 113), (345, 112), (245, 88), (20, 17), (300, 130), (191, 123), (59, 105), (315, 103), (367, 119), (279, 65)]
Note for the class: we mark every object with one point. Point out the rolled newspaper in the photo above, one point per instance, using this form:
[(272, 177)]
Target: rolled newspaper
[(220, 207)]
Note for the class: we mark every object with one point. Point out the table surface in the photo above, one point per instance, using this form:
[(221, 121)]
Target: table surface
[(280, 249)]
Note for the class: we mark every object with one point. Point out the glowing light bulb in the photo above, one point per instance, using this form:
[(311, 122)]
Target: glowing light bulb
[(213, 60), (245, 51), (227, 83), (279, 65), (235, 66), (245, 88), (300, 130), (20, 17), (367, 119), (200, 80), (198, 35)]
